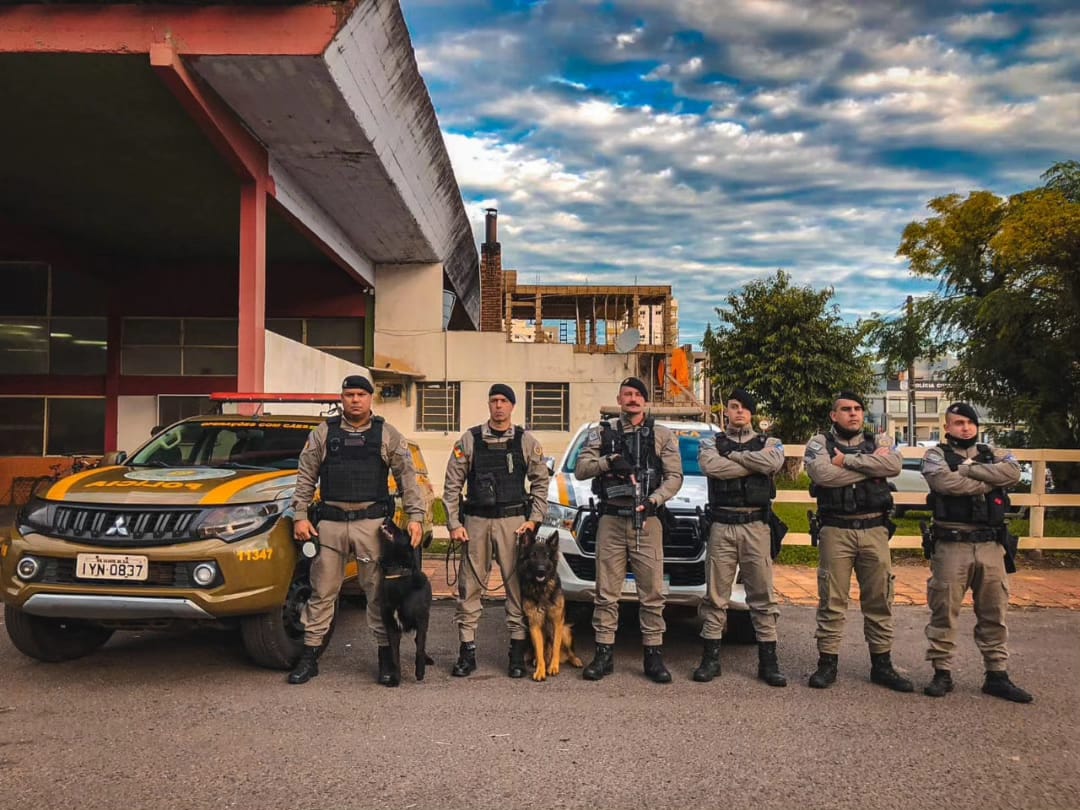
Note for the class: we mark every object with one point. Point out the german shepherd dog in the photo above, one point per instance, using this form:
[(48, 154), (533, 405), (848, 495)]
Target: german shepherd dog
[(544, 606), (405, 596)]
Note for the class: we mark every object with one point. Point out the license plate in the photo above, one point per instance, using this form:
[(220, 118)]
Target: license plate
[(629, 585), (112, 566)]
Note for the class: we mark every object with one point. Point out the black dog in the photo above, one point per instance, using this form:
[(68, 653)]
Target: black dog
[(405, 597)]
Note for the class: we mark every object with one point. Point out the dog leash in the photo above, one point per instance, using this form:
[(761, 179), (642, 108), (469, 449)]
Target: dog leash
[(453, 548)]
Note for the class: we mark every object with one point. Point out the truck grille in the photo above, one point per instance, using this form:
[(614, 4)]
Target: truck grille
[(684, 575), (124, 527), (682, 539), (61, 571)]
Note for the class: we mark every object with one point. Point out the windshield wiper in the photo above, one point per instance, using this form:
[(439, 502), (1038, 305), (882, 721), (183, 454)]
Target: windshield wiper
[(150, 464), (232, 465)]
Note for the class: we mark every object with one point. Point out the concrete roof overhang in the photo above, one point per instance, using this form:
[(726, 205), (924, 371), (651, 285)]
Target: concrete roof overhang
[(331, 91)]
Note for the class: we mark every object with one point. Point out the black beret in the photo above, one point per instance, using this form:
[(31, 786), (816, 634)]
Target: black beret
[(637, 385), (358, 381), (743, 398), (851, 395), (963, 409), (500, 389)]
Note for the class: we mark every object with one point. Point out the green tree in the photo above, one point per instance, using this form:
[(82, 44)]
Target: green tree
[(787, 345), (1008, 273)]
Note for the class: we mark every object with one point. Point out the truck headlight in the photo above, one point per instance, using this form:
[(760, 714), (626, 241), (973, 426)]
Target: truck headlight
[(36, 515), (231, 523), (559, 516)]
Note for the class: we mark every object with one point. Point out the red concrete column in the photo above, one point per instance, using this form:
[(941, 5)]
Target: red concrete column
[(114, 337), (251, 340)]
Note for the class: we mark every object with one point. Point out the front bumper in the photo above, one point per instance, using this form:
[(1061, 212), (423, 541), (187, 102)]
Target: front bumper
[(254, 576)]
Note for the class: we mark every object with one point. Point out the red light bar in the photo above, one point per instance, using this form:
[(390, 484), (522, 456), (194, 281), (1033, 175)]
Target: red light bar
[(229, 396)]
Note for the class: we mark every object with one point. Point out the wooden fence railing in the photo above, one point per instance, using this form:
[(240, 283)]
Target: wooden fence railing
[(1037, 501)]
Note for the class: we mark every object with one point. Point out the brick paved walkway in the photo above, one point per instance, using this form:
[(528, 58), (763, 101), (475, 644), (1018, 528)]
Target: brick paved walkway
[(797, 585)]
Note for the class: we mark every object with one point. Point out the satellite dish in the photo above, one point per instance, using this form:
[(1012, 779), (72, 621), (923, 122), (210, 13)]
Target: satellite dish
[(627, 341)]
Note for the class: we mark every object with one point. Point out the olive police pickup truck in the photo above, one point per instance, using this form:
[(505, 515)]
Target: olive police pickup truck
[(194, 527)]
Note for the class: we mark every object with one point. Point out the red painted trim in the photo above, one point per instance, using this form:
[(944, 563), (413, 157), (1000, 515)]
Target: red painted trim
[(245, 155), (251, 341), (112, 381), (189, 386), (214, 30)]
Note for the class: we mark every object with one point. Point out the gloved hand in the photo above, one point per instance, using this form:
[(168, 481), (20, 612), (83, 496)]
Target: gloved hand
[(619, 465)]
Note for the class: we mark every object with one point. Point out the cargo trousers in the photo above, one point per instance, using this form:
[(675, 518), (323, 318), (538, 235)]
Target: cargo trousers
[(336, 539), (748, 547), (956, 568), (489, 537), (866, 551), (616, 545)]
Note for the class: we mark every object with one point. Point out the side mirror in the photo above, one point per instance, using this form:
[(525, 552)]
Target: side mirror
[(113, 458), (156, 429), (550, 462)]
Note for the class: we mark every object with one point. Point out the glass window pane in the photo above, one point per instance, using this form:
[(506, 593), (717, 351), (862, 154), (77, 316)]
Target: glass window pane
[(210, 331), (26, 288), (199, 362), (335, 332), (22, 426), (437, 406), (77, 345), (173, 408), (24, 346), (151, 331), (76, 426), (292, 328), (150, 360), (547, 406)]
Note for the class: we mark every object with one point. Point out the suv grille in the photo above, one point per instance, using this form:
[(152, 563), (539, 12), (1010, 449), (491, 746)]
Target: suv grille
[(685, 575), (61, 571), (124, 527), (682, 540)]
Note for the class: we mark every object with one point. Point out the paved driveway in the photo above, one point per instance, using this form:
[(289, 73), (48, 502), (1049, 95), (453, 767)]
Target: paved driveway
[(181, 721)]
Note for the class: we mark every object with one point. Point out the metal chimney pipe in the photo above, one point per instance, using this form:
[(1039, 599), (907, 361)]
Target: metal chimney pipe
[(491, 226)]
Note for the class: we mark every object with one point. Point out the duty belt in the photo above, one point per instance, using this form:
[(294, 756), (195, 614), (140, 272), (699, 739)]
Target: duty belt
[(509, 510), (376, 510), (965, 535), (841, 522), (624, 511), (734, 518)]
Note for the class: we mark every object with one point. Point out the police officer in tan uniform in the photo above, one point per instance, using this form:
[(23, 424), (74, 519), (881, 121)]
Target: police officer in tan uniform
[(492, 462), (848, 469), (967, 481), (622, 454), (740, 465), (350, 456)]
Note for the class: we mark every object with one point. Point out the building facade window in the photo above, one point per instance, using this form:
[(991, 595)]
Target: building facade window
[(52, 426), (341, 337), (188, 347), (547, 406), (438, 406), (928, 405), (898, 406)]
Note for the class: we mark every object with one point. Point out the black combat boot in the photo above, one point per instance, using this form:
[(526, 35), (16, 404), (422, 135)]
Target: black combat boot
[(518, 646), (710, 661), (999, 685), (941, 685), (883, 674), (768, 668), (307, 666), (825, 675), (389, 674), (654, 665), (466, 660), (603, 663)]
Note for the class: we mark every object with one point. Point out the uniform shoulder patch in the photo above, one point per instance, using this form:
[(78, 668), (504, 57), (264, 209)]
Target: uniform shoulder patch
[(459, 454), (593, 436)]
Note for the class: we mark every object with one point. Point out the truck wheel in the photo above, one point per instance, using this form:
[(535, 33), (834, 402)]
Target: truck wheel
[(52, 640), (275, 639)]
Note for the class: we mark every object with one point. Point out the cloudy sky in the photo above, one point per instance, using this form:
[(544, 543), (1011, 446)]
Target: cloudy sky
[(705, 143)]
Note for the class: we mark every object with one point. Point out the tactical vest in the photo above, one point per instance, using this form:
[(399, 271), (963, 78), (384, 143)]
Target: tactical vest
[(353, 470), (613, 440), (756, 489), (497, 472), (864, 497), (983, 510)]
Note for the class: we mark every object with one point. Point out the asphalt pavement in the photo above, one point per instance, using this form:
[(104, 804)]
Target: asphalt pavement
[(184, 721)]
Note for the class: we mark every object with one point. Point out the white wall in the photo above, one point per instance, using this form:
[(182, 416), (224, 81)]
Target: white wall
[(136, 417), (292, 368)]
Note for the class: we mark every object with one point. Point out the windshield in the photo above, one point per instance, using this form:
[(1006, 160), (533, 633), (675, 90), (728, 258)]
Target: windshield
[(689, 440), (221, 443)]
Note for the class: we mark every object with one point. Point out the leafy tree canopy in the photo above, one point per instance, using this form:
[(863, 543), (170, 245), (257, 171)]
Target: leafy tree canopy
[(787, 345)]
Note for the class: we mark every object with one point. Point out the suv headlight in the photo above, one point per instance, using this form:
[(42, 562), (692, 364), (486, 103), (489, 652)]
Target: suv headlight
[(231, 523), (559, 516), (36, 515)]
